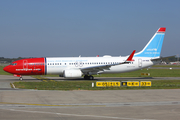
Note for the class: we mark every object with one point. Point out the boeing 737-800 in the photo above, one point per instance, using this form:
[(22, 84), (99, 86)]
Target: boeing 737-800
[(76, 67)]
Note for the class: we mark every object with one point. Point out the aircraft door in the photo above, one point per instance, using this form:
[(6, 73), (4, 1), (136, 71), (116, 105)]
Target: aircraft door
[(140, 62), (25, 64)]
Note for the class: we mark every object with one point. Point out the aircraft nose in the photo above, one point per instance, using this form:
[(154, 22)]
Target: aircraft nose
[(6, 69)]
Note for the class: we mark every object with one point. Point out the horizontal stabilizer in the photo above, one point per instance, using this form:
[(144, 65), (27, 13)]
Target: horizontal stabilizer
[(161, 58)]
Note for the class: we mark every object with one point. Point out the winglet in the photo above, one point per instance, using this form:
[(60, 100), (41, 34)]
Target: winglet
[(131, 56), (162, 29)]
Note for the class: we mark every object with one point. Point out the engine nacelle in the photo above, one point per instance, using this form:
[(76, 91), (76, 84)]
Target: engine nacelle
[(72, 73)]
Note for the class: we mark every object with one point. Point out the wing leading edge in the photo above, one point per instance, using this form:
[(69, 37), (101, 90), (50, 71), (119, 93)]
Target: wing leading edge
[(95, 69)]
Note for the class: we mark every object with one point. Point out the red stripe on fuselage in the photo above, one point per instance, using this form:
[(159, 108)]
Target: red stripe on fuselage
[(30, 66)]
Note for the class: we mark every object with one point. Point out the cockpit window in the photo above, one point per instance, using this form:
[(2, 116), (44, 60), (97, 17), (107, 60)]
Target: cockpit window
[(13, 64)]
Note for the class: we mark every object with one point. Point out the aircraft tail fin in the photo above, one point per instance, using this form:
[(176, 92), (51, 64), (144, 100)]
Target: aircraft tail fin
[(153, 47)]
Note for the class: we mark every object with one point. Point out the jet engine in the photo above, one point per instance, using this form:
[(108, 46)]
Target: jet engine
[(72, 73)]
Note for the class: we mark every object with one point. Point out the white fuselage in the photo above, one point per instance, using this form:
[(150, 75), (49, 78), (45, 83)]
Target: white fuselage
[(57, 65)]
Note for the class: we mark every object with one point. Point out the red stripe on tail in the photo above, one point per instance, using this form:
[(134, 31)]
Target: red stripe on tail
[(162, 29)]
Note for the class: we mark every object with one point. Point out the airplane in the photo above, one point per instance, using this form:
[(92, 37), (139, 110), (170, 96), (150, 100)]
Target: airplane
[(76, 67)]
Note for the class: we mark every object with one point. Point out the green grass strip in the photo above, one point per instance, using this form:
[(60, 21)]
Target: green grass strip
[(87, 85), (2, 72)]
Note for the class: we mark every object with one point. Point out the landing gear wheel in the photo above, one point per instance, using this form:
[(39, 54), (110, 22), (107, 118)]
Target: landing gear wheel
[(91, 77), (86, 77), (20, 78)]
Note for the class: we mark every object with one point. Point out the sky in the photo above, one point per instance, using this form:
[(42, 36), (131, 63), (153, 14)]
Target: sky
[(69, 28)]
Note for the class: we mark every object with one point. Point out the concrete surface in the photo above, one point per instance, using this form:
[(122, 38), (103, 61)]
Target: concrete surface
[(87, 105)]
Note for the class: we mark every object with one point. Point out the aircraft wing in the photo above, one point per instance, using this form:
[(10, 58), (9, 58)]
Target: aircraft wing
[(106, 67)]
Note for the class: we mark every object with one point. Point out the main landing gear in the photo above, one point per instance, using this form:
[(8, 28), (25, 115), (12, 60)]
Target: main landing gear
[(88, 77)]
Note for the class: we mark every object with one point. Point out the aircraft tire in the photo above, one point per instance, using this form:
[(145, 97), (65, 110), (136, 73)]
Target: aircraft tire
[(91, 77), (86, 77), (20, 78)]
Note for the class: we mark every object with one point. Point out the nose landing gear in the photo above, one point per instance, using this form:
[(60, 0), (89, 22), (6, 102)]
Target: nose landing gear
[(20, 78)]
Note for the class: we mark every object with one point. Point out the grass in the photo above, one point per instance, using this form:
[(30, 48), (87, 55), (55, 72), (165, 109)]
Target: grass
[(2, 72), (153, 73), (86, 85), (166, 66)]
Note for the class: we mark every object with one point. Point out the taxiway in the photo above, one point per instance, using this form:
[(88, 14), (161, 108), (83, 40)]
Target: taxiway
[(79, 105)]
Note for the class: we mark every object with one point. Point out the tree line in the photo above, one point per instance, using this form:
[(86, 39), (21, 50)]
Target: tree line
[(9, 60)]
